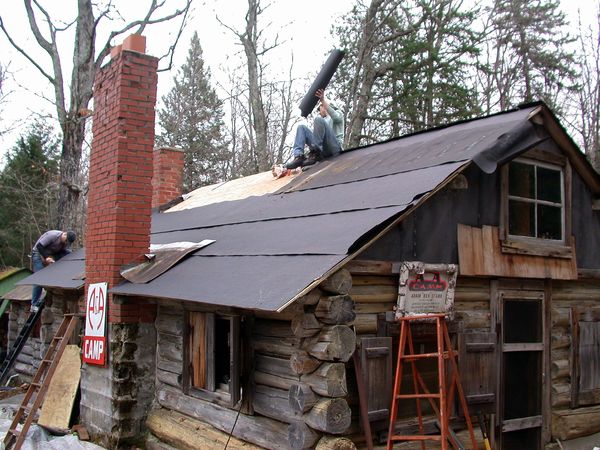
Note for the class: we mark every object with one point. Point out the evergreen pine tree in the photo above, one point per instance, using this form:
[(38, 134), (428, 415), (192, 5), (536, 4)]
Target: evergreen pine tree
[(28, 193), (408, 67), (192, 119), (530, 59)]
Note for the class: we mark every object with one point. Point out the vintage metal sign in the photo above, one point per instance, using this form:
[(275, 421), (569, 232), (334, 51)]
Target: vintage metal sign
[(94, 341), (426, 289)]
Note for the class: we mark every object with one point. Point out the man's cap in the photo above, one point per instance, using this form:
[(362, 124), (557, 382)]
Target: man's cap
[(71, 236)]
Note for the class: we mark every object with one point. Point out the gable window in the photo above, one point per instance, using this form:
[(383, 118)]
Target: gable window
[(535, 201), (536, 207), (213, 362)]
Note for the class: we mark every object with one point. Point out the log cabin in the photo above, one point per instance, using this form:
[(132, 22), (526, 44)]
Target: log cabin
[(265, 305)]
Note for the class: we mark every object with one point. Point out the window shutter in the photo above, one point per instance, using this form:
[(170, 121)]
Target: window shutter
[(376, 363), (477, 366), (586, 356), (234, 359)]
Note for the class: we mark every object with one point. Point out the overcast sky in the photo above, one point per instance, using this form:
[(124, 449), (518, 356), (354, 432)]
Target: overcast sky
[(303, 27)]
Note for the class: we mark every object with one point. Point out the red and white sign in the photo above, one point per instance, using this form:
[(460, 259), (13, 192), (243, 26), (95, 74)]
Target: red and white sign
[(94, 341)]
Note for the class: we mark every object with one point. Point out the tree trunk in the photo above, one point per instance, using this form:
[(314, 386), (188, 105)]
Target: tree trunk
[(70, 169), (250, 42)]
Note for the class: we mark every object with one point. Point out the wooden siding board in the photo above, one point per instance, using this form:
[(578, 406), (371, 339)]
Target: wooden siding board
[(472, 243)]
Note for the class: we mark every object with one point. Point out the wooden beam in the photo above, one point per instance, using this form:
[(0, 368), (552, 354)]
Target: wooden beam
[(257, 430), (186, 433)]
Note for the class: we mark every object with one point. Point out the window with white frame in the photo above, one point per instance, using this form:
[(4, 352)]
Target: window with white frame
[(536, 201)]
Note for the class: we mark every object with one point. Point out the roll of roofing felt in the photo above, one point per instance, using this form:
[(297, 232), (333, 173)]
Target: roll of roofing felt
[(309, 101)]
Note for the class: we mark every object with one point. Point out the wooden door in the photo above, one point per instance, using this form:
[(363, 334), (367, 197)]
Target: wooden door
[(521, 387)]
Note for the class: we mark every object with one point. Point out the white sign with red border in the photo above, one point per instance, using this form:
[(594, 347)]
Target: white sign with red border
[(94, 341)]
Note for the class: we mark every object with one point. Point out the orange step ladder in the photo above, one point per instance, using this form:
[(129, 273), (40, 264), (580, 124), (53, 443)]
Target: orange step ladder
[(40, 382), (445, 395)]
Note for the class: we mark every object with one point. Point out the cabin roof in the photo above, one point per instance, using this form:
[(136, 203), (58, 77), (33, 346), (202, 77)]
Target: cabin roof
[(277, 239)]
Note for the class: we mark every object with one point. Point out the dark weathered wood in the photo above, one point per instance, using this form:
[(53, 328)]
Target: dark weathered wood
[(258, 430), (561, 317), (337, 309), (338, 283), (331, 416), (277, 381), (377, 375), (573, 423), (274, 403), (335, 443), (170, 378), (301, 436), (305, 325), (302, 363), (274, 365), (363, 402), (170, 322), (287, 314), (365, 324), (328, 380), (234, 359), (169, 351), (282, 347), (301, 397), (367, 267), (335, 343), (560, 368), (561, 394), (273, 328), (374, 294), (478, 369), (312, 298), (185, 433)]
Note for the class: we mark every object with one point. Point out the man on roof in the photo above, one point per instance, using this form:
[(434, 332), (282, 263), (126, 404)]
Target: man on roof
[(324, 140), (50, 247)]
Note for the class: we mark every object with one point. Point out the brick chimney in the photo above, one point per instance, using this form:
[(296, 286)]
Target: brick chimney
[(116, 398), (167, 182), (120, 195)]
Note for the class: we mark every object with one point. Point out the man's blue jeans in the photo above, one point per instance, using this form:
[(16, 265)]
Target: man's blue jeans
[(37, 265), (36, 262), (320, 138)]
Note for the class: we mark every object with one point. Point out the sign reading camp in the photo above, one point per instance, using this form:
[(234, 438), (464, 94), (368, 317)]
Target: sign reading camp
[(94, 341), (426, 289)]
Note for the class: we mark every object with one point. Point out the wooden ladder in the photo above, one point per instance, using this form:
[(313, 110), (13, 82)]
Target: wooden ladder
[(445, 395), (39, 385)]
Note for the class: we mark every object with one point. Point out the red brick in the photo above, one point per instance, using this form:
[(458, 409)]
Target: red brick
[(119, 202)]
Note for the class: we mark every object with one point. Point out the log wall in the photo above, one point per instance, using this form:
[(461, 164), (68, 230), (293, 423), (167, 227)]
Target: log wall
[(299, 389), (569, 422), (28, 360), (300, 358)]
